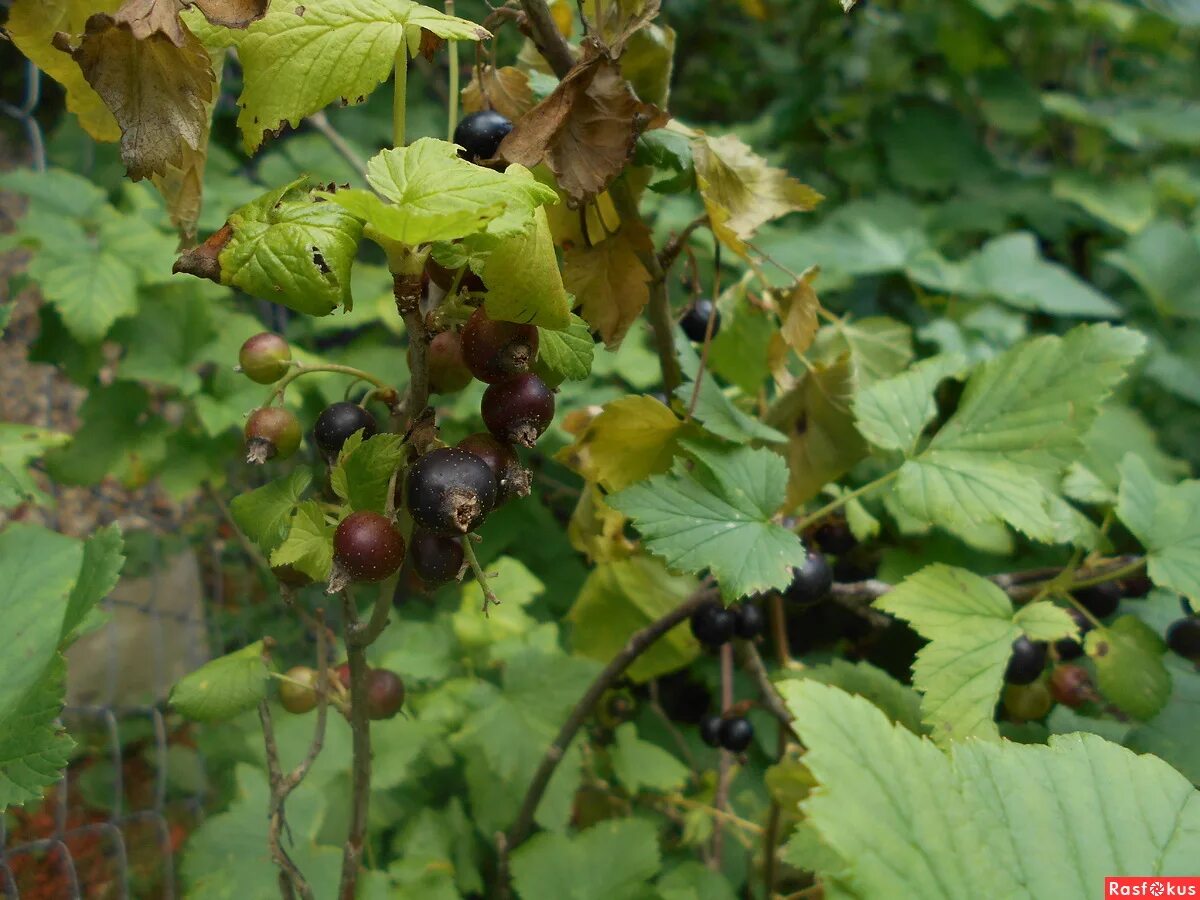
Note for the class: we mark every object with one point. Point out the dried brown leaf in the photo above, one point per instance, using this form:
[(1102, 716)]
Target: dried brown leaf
[(505, 90), (798, 306), (609, 280), (232, 13)]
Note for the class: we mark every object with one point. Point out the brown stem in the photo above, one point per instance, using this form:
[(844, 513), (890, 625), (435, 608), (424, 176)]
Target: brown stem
[(362, 634), (248, 547), (407, 290), (675, 244), (360, 727), (753, 663), (291, 880), (548, 39), (725, 764)]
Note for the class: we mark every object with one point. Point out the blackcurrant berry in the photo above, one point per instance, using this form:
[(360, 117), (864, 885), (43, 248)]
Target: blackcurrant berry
[(748, 620), (264, 358), (436, 558), (710, 730), (1183, 637), (1071, 647), (494, 350), (1136, 586), (811, 581), (298, 692), (450, 491), (736, 734), (713, 624), (834, 536), (1027, 661), (518, 410), (683, 698), (271, 432), (366, 547), (1027, 702), (512, 478), (337, 422), (1071, 685), (695, 321), (385, 693), (1101, 600), (480, 133), (448, 373)]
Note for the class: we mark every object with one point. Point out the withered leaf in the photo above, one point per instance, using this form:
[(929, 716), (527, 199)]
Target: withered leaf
[(505, 90), (609, 280), (798, 306), (430, 44), (182, 189), (155, 76), (586, 129), (232, 13)]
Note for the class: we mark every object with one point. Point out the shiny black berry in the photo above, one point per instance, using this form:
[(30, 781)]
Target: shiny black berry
[(518, 410), (450, 491), (337, 422), (495, 350), (748, 620), (1027, 661), (265, 358), (513, 479), (385, 693), (695, 321), (436, 558), (736, 734), (713, 624), (811, 581), (710, 730), (1183, 637), (448, 374), (480, 133), (272, 432), (1101, 600), (366, 547), (834, 536)]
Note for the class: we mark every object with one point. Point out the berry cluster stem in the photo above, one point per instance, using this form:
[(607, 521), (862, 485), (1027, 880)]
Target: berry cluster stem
[(489, 596), (301, 369)]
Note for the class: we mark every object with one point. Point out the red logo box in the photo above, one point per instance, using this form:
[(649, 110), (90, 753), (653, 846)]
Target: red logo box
[(1151, 886)]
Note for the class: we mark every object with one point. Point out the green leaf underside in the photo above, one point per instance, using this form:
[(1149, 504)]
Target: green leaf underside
[(224, 687), (263, 513)]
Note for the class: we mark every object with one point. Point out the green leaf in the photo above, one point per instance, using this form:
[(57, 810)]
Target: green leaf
[(641, 765), (899, 702), (263, 513), (103, 557), (1129, 666), (58, 191), (970, 625), (713, 409), (988, 819), (624, 596), (718, 517), (612, 860), (1166, 519), (292, 248), (116, 438), (565, 355), (1117, 431), (224, 687), (1174, 734), (893, 413), (308, 546), (1164, 261), (879, 347), (20, 445), (164, 342), (299, 59), (90, 287), (516, 587), (523, 277), (34, 748), (1124, 203), (425, 192), (1018, 425), (365, 468)]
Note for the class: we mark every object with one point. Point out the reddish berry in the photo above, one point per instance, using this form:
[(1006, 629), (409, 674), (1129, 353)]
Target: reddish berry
[(366, 547), (343, 674), (298, 694), (1071, 685), (448, 373), (264, 358), (444, 278), (518, 410), (494, 350), (450, 491), (385, 693), (271, 432), (512, 478), (436, 558)]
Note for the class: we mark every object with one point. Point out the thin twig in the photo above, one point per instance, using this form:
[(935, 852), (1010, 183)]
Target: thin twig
[(548, 39), (360, 728), (362, 634), (291, 880), (675, 244), (753, 663), (489, 596), (248, 547), (725, 763), (320, 122)]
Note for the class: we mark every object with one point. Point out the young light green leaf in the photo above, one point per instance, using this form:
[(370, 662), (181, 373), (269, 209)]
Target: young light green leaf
[(1166, 519), (714, 410), (641, 765), (718, 517), (224, 687), (301, 58), (308, 546), (552, 866), (263, 513), (565, 355), (292, 248), (1129, 666), (879, 347), (899, 702), (365, 469), (987, 819), (522, 274), (893, 413)]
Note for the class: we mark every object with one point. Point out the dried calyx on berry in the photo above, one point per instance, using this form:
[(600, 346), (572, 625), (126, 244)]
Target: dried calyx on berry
[(450, 491), (265, 358), (436, 558), (337, 422), (518, 410), (272, 432), (367, 547), (448, 373), (494, 350), (512, 478)]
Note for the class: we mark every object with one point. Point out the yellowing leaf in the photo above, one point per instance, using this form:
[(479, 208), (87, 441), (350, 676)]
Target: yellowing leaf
[(597, 530), (798, 308), (524, 281), (609, 281), (505, 90), (633, 438), (741, 191), (32, 25)]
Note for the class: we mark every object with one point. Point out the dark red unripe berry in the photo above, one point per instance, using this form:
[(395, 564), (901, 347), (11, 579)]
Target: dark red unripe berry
[(436, 558), (518, 410), (448, 373), (713, 624), (710, 730), (512, 478), (444, 278), (272, 432), (695, 320), (1101, 600), (811, 581), (264, 358), (367, 547), (736, 734), (385, 693), (479, 134), (450, 491), (1071, 686), (343, 674), (1027, 661), (337, 422), (298, 693), (494, 350), (748, 621), (1183, 637)]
